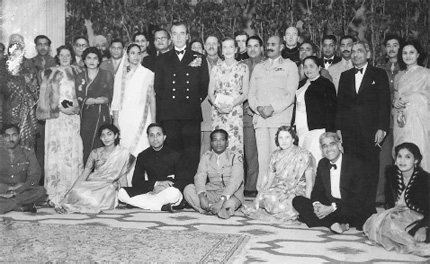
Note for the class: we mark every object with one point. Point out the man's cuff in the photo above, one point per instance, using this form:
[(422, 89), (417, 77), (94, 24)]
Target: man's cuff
[(334, 205), (315, 203)]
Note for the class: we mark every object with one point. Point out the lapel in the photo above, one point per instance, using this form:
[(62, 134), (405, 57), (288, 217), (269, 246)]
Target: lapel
[(344, 174), (326, 177), (173, 58), (188, 58)]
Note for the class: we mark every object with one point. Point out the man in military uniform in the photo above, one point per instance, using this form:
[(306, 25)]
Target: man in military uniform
[(254, 47), (181, 84), (271, 96), (19, 174), (218, 184)]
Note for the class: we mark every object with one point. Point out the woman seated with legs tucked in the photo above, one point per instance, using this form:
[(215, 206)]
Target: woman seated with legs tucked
[(405, 226), (96, 189), (291, 173)]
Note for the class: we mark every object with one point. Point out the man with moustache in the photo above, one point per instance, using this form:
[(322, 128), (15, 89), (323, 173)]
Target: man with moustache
[(241, 37), (291, 50), (271, 96), (329, 51), (43, 60), (345, 64), (181, 84), (363, 114), (254, 47), (162, 43), (307, 48), (392, 46), (116, 50), (19, 174), (211, 47)]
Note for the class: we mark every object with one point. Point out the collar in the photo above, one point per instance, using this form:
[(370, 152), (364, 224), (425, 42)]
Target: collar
[(180, 49), (278, 59), (243, 52), (219, 155), (331, 58), (256, 59), (364, 67), (213, 61), (346, 62), (292, 50), (158, 150), (338, 161)]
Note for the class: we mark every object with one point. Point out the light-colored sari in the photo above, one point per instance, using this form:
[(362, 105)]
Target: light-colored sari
[(413, 87)]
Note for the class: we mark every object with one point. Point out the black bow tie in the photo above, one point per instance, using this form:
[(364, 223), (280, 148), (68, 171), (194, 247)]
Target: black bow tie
[(180, 51), (356, 70), (328, 61), (333, 166)]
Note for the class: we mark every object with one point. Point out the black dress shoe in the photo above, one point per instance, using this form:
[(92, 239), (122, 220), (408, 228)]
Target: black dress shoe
[(167, 208), (30, 208), (183, 205)]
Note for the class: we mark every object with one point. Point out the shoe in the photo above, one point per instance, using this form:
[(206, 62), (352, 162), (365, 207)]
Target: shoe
[(183, 205), (29, 208), (339, 228), (167, 208), (250, 193)]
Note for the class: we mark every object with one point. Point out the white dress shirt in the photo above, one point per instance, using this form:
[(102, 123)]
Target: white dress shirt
[(359, 77), (180, 56), (335, 178)]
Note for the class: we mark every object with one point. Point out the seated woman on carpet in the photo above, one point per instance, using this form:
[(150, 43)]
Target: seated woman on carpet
[(404, 227), (97, 187), (291, 173)]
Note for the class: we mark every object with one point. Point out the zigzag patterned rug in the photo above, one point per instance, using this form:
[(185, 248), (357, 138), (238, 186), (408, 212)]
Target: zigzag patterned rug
[(268, 243)]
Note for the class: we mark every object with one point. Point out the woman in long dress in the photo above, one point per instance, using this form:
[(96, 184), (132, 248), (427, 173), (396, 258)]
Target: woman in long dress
[(97, 188), (94, 90), (228, 89), (404, 227), (133, 103), (291, 173), (411, 112), (18, 84), (316, 107), (58, 105)]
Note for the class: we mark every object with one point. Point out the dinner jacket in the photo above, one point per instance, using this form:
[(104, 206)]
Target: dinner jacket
[(369, 109), (352, 188), (276, 85), (108, 65), (226, 178), (336, 59), (181, 85), (320, 100)]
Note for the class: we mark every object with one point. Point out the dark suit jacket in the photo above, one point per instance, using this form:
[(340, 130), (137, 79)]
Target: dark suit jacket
[(320, 99), (352, 187), (181, 87), (336, 59), (367, 111), (149, 61)]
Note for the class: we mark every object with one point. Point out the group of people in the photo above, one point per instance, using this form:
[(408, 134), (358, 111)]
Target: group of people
[(202, 126)]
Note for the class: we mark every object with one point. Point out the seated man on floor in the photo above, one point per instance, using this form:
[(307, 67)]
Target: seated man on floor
[(19, 174), (218, 185), (339, 194), (158, 178)]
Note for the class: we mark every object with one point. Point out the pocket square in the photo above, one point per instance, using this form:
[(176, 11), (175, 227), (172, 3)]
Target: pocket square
[(373, 82)]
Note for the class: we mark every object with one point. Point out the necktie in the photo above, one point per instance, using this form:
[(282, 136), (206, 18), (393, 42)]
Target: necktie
[(356, 70), (333, 166), (328, 61), (179, 51)]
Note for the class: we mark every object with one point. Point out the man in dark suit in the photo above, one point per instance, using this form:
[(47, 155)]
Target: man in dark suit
[(161, 43), (363, 113), (338, 196), (329, 51), (181, 84)]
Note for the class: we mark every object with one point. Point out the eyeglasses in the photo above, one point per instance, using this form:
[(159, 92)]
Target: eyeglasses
[(161, 38), (81, 45)]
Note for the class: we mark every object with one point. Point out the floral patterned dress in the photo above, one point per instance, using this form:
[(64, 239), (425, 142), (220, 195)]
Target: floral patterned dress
[(63, 143), (229, 82), (284, 180)]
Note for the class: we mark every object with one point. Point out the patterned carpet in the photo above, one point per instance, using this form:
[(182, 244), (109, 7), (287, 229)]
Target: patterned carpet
[(268, 243)]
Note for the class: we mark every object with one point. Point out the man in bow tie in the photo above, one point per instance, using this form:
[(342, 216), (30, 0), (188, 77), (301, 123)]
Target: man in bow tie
[(363, 113), (271, 96), (338, 196), (329, 48), (181, 84)]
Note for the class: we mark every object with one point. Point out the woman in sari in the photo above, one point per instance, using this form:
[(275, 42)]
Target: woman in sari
[(404, 226), (291, 173), (97, 188), (59, 106), (411, 112), (18, 84), (315, 107), (94, 90), (133, 103)]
